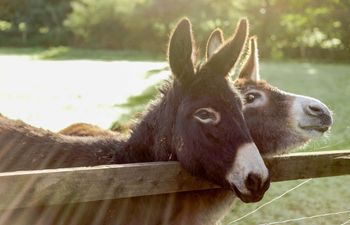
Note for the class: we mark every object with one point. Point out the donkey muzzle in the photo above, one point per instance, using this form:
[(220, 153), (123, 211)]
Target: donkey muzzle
[(249, 177)]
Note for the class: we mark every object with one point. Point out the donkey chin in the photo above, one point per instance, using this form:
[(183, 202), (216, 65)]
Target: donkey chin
[(312, 117)]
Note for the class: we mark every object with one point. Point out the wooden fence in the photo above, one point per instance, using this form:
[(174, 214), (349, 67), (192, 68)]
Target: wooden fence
[(62, 186)]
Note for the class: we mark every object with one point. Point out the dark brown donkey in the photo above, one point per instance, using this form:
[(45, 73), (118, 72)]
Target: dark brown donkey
[(198, 121), (266, 109)]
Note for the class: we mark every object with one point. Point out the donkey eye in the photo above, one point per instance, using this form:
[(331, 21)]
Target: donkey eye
[(203, 114), (207, 115), (251, 97)]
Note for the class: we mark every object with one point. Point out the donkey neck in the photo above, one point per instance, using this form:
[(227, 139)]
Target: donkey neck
[(151, 139), (23, 147)]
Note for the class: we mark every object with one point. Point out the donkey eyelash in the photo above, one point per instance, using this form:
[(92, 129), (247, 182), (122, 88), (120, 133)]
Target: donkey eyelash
[(252, 96), (254, 99), (256, 94)]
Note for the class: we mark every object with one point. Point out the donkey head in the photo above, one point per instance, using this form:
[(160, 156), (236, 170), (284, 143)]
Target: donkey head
[(277, 120), (210, 136)]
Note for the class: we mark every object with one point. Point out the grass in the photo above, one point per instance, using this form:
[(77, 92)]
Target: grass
[(67, 53), (327, 82), (319, 196)]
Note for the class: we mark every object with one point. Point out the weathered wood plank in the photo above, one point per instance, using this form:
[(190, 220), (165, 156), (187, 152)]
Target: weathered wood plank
[(81, 184), (309, 165), (70, 185)]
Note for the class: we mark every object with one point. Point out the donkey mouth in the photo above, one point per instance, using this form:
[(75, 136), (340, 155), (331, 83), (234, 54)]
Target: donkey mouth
[(248, 198), (321, 129)]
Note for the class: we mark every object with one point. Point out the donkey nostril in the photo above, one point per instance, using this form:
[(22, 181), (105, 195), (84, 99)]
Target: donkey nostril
[(253, 182), (315, 110)]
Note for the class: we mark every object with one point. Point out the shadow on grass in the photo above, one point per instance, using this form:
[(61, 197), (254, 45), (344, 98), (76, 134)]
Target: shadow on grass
[(135, 105), (67, 53), (141, 99), (150, 73)]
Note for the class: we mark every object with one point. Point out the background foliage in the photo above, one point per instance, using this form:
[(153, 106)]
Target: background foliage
[(312, 29)]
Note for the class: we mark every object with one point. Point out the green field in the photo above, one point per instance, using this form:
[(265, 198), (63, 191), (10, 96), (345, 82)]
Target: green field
[(327, 82)]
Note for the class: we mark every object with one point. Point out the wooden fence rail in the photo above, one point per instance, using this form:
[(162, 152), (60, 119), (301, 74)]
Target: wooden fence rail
[(83, 184)]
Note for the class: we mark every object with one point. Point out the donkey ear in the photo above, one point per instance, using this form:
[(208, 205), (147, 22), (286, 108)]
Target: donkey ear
[(214, 42), (250, 68), (226, 57), (180, 52)]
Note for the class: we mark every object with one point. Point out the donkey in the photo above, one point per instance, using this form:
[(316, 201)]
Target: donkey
[(85, 129), (198, 121), (278, 121), (209, 206)]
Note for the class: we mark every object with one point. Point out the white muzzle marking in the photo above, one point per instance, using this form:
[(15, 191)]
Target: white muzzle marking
[(300, 118), (248, 160)]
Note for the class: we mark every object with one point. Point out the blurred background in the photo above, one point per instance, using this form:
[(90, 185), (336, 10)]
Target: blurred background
[(100, 62), (287, 29)]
